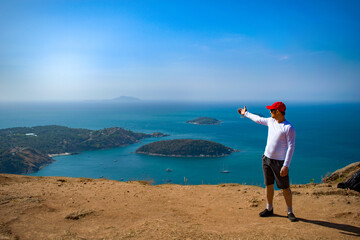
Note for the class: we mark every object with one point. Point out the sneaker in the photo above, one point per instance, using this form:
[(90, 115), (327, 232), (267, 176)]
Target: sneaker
[(292, 217), (266, 213)]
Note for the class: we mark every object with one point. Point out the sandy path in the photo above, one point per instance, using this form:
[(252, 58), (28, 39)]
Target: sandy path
[(48, 208)]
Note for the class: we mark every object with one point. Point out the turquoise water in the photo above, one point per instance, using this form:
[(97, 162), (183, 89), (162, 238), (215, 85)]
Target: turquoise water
[(328, 137)]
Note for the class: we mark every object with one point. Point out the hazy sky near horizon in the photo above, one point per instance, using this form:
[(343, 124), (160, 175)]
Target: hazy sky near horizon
[(180, 50)]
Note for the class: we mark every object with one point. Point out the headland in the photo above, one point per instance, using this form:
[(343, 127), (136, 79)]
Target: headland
[(27, 149)]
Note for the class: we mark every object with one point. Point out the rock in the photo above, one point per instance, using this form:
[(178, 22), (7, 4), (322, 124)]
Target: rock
[(353, 183), (342, 174), (79, 214)]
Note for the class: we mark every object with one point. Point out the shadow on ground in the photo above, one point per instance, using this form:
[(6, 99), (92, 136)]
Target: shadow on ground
[(349, 229)]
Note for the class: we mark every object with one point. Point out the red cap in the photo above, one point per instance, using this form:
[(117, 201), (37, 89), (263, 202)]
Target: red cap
[(278, 105)]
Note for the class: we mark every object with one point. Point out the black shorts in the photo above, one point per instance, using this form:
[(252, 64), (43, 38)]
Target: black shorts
[(271, 170)]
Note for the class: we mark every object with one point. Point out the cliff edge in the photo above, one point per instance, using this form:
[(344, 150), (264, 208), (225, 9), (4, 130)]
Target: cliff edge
[(82, 208)]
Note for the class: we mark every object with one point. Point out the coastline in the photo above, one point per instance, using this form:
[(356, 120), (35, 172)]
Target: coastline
[(76, 153), (60, 154)]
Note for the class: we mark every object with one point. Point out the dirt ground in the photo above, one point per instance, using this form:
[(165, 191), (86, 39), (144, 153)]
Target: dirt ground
[(79, 208)]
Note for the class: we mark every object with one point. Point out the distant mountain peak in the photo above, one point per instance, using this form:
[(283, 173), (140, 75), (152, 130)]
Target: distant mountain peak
[(126, 99)]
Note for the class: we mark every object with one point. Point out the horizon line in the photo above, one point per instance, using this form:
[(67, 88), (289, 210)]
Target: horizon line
[(140, 101)]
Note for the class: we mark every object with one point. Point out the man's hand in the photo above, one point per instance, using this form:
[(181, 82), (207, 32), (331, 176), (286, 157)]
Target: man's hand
[(242, 110), (284, 171)]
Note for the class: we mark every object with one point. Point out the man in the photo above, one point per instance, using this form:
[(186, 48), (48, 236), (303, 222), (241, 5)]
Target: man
[(278, 154)]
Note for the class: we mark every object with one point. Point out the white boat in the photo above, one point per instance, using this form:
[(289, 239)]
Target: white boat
[(225, 171)]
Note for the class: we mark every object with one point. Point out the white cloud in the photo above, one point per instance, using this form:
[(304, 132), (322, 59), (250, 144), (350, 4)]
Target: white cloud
[(284, 57)]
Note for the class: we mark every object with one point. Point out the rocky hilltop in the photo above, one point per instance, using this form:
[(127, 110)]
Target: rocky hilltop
[(23, 160), (205, 121), (82, 208), (26, 149), (185, 148)]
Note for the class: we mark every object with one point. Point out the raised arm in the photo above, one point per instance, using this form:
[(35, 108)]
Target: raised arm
[(255, 118)]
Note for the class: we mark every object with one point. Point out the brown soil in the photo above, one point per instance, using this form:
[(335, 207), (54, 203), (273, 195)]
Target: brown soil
[(78, 208)]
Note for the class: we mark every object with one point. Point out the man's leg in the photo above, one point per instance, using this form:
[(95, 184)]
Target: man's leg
[(269, 189), (269, 192), (288, 200), (288, 197)]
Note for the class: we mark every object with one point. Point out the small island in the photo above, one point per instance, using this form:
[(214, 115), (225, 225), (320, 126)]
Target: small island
[(185, 148), (27, 149), (205, 121)]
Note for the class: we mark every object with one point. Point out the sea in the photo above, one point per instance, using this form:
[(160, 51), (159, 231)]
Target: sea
[(327, 138)]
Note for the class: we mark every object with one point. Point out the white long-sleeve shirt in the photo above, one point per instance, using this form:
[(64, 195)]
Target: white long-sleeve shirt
[(281, 138)]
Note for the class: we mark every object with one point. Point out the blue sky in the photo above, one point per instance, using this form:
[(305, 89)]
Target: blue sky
[(180, 50)]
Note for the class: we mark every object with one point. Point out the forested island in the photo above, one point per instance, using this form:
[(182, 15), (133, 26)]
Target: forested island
[(185, 148), (205, 121), (27, 149)]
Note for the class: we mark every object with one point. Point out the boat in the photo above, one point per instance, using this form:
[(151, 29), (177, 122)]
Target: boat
[(224, 169), (168, 170)]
